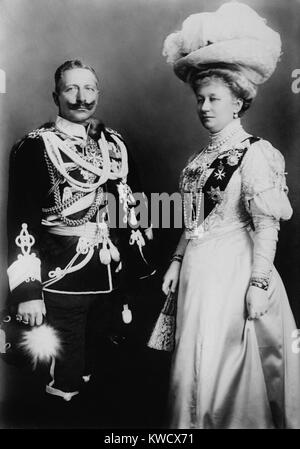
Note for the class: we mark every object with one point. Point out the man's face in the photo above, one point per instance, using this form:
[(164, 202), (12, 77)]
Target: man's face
[(77, 95)]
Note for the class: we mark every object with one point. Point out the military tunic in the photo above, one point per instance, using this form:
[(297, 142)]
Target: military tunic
[(72, 230)]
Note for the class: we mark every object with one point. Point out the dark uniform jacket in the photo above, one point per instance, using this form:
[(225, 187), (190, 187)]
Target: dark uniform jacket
[(38, 196)]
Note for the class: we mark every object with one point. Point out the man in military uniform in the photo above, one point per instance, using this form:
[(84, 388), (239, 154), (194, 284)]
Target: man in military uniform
[(67, 263)]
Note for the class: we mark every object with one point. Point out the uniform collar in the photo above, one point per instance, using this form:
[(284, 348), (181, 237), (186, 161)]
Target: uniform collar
[(70, 128)]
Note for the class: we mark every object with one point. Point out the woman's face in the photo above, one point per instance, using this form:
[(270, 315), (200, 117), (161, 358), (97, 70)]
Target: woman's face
[(216, 104)]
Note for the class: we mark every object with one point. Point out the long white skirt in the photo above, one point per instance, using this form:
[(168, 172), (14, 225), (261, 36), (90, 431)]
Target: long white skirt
[(228, 371)]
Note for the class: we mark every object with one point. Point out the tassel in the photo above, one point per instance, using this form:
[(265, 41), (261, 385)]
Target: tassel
[(130, 196), (137, 237), (133, 220), (115, 255), (119, 268), (126, 314), (41, 343), (67, 194), (104, 254)]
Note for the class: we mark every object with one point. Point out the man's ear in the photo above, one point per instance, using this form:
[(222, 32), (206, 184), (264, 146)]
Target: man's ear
[(55, 98)]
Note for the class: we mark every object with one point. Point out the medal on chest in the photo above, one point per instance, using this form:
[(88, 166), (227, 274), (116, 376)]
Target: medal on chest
[(203, 185)]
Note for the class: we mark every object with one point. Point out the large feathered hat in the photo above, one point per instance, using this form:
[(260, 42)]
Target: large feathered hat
[(234, 35)]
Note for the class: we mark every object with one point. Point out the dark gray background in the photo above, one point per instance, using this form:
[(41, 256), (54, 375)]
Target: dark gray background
[(140, 96)]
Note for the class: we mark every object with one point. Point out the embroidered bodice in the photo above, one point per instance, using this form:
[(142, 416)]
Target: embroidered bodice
[(258, 175)]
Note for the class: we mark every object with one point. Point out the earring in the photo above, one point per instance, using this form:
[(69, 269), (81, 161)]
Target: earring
[(235, 115)]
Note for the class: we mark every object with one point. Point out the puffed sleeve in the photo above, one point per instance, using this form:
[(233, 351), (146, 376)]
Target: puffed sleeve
[(265, 193), (263, 182)]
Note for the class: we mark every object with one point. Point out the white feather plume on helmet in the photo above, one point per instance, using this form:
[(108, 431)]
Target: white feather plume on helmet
[(234, 34)]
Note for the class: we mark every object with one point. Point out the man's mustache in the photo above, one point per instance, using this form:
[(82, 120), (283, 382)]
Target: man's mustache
[(82, 104)]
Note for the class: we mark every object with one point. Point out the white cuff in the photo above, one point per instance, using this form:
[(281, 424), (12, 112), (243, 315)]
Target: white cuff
[(27, 268)]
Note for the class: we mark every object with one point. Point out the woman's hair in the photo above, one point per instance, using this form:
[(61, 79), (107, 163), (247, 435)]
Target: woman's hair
[(68, 65), (235, 80)]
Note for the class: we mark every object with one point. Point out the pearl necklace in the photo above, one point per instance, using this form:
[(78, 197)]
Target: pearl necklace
[(191, 221), (215, 141)]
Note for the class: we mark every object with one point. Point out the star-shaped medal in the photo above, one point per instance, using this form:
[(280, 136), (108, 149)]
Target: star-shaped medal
[(220, 174), (215, 194)]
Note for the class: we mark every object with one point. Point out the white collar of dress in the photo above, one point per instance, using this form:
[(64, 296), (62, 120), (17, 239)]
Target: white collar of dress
[(232, 128), (70, 128)]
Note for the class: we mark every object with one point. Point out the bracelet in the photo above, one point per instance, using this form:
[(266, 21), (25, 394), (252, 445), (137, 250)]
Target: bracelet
[(260, 282), (177, 258)]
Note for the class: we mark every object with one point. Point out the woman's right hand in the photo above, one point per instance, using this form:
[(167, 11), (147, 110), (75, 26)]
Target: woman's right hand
[(171, 277)]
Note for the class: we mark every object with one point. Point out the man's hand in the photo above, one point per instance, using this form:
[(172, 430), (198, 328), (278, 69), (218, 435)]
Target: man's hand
[(257, 302), (171, 278), (32, 312)]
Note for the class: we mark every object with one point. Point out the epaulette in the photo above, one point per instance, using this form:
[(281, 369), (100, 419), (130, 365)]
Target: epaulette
[(38, 132), (112, 131)]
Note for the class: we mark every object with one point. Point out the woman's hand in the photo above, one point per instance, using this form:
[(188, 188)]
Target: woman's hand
[(257, 302), (32, 312), (171, 277)]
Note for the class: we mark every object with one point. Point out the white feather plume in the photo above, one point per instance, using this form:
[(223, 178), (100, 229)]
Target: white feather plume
[(234, 33), (41, 343)]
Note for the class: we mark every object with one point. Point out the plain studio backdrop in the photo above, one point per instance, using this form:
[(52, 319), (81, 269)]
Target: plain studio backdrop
[(140, 96)]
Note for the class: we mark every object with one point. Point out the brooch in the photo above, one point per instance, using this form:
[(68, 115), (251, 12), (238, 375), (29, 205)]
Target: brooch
[(236, 153), (220, 174), (215, 194), (233, 157)]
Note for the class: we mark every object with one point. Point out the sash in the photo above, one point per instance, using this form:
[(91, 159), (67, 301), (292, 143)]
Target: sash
[(223, 167), (212, 192)]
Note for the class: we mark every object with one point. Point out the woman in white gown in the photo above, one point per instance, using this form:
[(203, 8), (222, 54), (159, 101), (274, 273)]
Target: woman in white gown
[(233, 364)]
